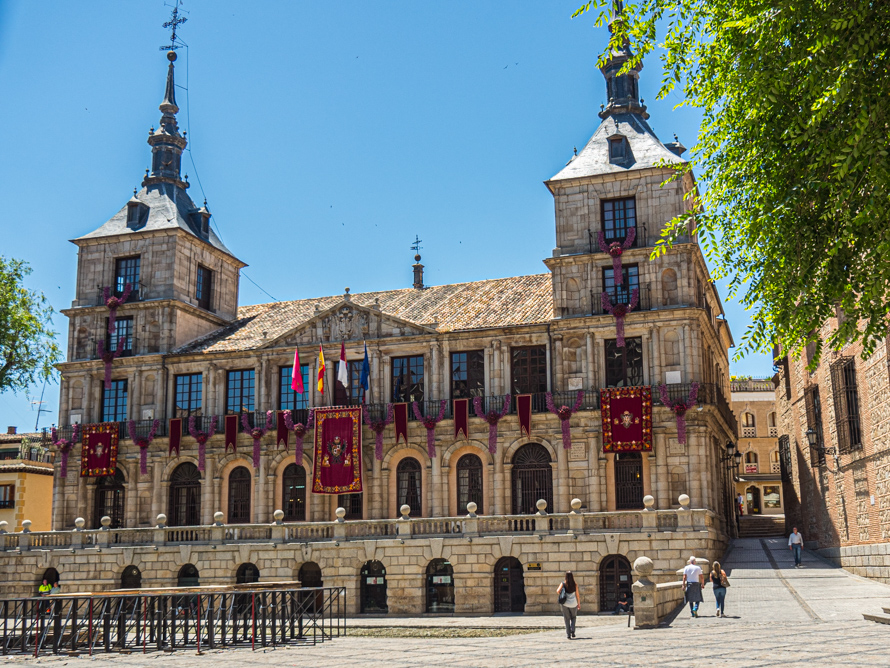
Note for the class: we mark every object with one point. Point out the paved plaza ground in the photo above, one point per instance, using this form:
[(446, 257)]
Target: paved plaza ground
[(776, 615)]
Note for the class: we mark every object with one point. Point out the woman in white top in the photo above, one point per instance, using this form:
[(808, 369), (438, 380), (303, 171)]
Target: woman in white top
[(572, 603)]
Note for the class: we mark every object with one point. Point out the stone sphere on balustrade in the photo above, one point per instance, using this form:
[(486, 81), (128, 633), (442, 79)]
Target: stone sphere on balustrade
[(643, 566)]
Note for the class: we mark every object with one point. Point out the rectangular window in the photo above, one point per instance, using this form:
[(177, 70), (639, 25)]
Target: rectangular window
[(771, 497), (619, 215), (624, 366), (126, 270), (467, 374), (114, 402), (123, 329), (785, 457), (239, 391), (621, 294), (352, 395), (187, 389), (528, 369), (407, 378), (7, 496), (352, 504), (846, 404), (814, 421), (616, 149), (203, 286), (288, 400)]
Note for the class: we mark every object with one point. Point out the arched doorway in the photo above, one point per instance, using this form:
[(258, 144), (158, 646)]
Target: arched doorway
[(109, 500), (469, 483), (752, 496), (51, 575), (293, 490), (239, 496), (532, 479), (372, 588), (408, 477), (247, 574), (440, 586), (615, 578), (509, 586), (131, 578), (310, 576), (188, 576), (185, 496), (628, 480)]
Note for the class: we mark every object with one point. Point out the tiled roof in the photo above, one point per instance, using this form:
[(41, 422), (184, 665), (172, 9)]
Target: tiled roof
[(501, 302)]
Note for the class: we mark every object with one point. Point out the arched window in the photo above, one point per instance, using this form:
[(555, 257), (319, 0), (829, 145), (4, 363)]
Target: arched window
[(239, 496), (247, 574), (771, 423), (131, 578), (185, 496), (408, 489), (775, 464), (188, 576), (110, 500), (469, 483), (294, 493), (532, 479), (748, 428), (51, 575)]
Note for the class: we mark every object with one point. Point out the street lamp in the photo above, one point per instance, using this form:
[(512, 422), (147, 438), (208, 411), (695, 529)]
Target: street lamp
[(812, 437)]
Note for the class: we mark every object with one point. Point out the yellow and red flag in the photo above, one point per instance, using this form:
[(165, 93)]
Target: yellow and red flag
[(320, 370)]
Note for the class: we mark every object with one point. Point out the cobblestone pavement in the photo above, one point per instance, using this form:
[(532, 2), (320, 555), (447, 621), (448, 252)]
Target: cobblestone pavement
[(777, 615)]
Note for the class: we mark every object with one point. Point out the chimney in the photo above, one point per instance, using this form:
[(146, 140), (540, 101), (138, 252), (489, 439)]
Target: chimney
[(10, 431), (418, 273)]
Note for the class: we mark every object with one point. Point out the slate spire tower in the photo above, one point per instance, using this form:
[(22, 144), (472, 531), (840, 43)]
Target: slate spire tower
[(167, 144)]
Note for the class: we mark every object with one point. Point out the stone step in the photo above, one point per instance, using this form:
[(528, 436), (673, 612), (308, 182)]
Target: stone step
[(880, 619)]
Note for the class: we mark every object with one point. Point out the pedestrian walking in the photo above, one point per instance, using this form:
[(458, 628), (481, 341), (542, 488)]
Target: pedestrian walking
[(693, 583), (719, 583), (740, 501), (570, 601), (795, 544)]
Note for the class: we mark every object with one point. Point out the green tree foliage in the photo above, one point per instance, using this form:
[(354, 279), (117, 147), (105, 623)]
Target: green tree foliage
[(28, 347), (792, 154)]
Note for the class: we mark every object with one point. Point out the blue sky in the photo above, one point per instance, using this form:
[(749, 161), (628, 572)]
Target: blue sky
[(325, 136)]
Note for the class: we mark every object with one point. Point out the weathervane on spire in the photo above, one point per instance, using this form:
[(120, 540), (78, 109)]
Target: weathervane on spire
[(175, 21), (416, 245)]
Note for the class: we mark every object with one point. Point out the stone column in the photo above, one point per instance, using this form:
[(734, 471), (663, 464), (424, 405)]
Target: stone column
[(594, 502), (161, 393), (696, 468), (260, 511), (262, 399), (647, 358), (208, 391), (561, 497), (661, 486), (611, 501), (600, 371), (259, 395), (501, 485), (64, 394), (685, 345), (135, 406), (648, 463), (489, 371), (435, 493), (131, 493), (445, 370), (89, 405), (158, 500), (656, 362), (385, 380), (210, 492), (557, 364), (376, 380), (377, 510), (591, 362), (549, 366)]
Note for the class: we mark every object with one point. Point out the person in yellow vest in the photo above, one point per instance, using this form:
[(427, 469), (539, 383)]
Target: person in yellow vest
[(44, 589)]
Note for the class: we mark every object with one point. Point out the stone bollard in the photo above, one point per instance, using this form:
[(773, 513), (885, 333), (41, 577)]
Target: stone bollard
[(218, 528), (471, 523), (650, 517), (340, 524), (684, 515), (403, 527), (645, 602)]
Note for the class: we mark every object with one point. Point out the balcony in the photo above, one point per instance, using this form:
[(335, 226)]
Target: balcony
[(622, 295), (749, 432), (136, 294)]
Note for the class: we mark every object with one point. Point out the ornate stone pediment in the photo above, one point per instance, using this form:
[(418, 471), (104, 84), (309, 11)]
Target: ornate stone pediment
[(347, 321)]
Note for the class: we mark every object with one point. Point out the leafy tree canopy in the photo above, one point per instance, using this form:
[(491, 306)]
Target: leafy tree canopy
[(792, 154), (28, 347)]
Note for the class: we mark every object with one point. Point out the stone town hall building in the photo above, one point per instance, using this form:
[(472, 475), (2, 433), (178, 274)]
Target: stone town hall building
[(188, 348)]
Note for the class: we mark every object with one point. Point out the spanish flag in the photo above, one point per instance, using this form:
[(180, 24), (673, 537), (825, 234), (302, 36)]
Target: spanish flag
[(320, 370)]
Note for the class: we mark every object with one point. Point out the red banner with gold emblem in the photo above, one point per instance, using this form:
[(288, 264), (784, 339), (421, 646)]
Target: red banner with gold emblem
[(98, 456), (337, 467), (627, 419)]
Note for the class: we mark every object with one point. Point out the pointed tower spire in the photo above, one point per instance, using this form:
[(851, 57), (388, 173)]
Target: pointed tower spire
[(170, 92), (622, 91), (167, 144)]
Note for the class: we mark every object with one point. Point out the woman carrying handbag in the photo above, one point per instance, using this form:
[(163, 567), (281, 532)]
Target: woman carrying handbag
[(719, 582), (570, 601)]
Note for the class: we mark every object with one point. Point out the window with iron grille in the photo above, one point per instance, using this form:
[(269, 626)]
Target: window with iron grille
[(7, 496), (294, 490), (239, 496), (785, 457), (532, 479), (408, 478), (846, 404), (352, 504), (126, 270), (239, 391), (407, 378), (619, 215), (187, 395), (123, 329), (528, 369), (469, 483), (287, 398), (184, 501), (114, 401), (203, 287), (352, 395), (467, 374), (624, 365), (621, 294), (814, 421)]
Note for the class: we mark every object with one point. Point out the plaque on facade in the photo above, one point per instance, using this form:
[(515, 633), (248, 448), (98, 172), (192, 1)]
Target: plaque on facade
[(534, 566), (575, 383), (675, 447), (578, 451)]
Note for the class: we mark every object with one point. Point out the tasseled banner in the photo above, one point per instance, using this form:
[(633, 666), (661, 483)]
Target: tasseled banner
[(378, 426), (492, 418), (430, 422), (564, 413)]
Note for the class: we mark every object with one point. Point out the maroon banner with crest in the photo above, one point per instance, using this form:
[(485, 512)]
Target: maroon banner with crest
[(627, 419), (175, 436), (524, 410), (98, 455), (232, 433), (282, 435), (461, 418), (400, 416), (337, 467)]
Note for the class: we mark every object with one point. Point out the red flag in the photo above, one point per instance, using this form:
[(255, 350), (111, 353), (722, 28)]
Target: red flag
[(296, 378), (524, 410), (175, 435), (400, 411), (461, 417)]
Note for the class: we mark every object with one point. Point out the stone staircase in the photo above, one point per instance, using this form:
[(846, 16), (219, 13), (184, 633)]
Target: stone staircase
[(879, 618), (761, 526)]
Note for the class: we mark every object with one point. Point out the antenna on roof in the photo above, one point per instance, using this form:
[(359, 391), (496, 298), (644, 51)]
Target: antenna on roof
[(175, 21)]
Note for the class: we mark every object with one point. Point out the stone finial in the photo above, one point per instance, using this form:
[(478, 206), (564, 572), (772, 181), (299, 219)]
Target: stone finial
[(341, 514), (683, 499), (649, 501), (576, 505), (105, 522), (278, 515), (26, 526), (218, 518), (471, 509), (161, 521), (643, 566), (541, 505), (79, 523), (406, 511), (3, 526)]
